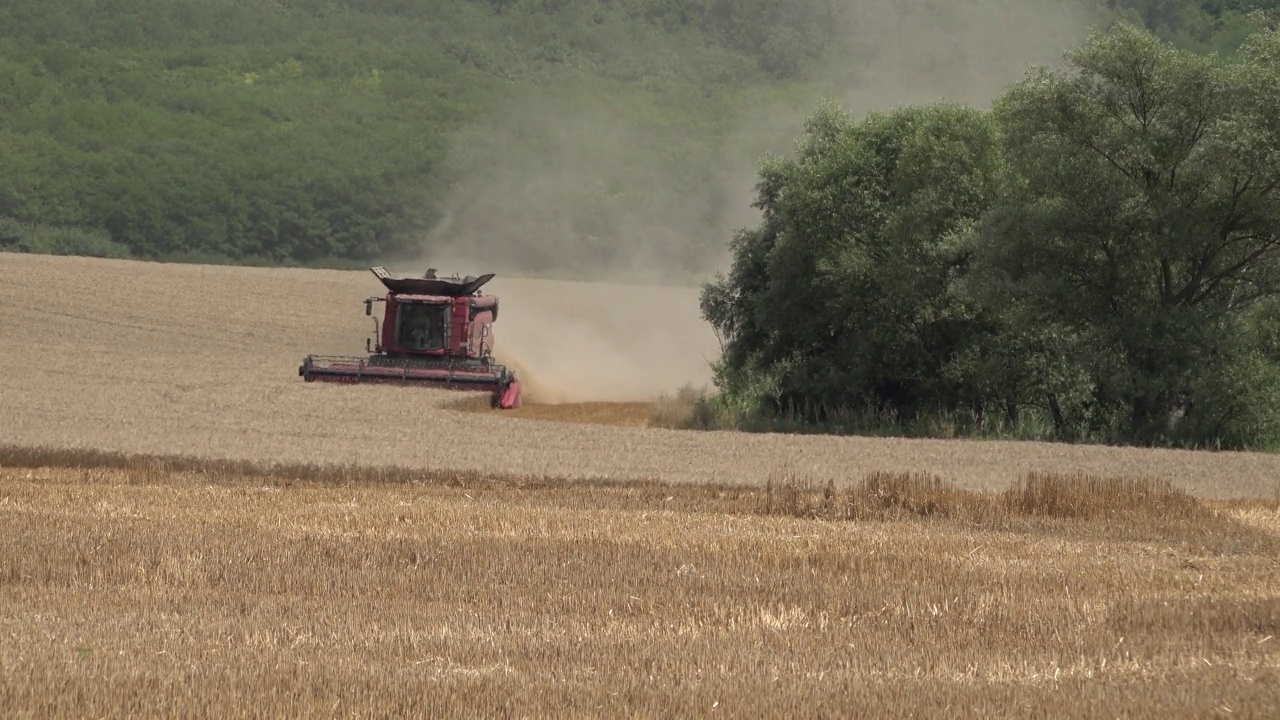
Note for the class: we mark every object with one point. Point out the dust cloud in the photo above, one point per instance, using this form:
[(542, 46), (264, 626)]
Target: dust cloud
[(917, 51), (574, 342), (584, 341), (573, 183)]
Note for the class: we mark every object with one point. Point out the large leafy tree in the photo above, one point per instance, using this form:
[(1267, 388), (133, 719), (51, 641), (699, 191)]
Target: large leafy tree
[(1142, 219), (843, 295), (1103, 248)]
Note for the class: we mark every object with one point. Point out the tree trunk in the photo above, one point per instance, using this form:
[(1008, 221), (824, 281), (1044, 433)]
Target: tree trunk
[(1140, 419), (1149, 418), (1059, 421)]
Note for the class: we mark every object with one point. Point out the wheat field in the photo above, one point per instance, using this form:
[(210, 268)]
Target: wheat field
[(147, 589), (202, 361), (188, 529)]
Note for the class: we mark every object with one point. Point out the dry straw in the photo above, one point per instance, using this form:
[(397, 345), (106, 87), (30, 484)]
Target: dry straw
[(170, 586)]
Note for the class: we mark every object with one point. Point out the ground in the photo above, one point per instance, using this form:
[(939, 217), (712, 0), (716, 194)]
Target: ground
[(186, 528), (202, 361)]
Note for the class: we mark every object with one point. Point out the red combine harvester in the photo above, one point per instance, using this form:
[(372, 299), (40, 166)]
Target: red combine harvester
[(435, 331)]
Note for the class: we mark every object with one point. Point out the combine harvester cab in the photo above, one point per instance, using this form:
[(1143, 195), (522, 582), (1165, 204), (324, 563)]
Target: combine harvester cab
[(435, 332)]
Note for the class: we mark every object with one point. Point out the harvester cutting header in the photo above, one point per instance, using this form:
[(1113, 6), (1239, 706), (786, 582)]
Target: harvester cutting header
[(434, 331)]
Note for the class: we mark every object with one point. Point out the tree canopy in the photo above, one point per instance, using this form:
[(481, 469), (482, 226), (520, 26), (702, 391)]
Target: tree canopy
[(1102, 249), (856, 258)]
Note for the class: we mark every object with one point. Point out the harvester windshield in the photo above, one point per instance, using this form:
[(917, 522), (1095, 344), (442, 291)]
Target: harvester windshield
[(422, 327)]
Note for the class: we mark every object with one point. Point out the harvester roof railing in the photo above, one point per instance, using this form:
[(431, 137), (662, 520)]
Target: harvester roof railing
[(446, 287)]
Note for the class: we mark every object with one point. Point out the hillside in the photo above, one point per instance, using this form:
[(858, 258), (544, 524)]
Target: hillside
[(549, 137), (317, 132), (568, 136)]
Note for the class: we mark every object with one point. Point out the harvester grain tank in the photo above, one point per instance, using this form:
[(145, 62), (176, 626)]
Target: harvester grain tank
[(435, 332)]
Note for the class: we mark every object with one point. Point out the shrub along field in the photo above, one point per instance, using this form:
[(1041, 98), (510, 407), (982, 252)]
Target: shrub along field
[(150, 587)]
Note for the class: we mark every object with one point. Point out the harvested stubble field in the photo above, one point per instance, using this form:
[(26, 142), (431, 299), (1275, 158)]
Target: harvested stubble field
[(308, 550), (201, 361), (151, 587)]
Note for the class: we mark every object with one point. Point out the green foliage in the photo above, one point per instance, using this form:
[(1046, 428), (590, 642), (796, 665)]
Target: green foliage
[(334, 131), (843, 297), (1141, 214), (1101, 252), (217, 128), (51, 240), (1201, 25), (295, 131)]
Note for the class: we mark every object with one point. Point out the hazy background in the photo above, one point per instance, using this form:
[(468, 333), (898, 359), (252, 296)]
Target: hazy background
[(582, 140), (566, 138), (573, 182)]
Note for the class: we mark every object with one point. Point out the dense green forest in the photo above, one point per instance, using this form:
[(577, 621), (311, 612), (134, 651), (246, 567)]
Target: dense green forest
[(544, 135), (1096, 257)]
